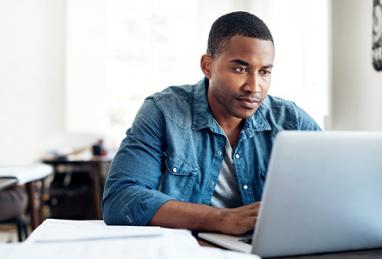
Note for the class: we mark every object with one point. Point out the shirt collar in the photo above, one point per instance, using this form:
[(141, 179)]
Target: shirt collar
[(203, 118), (201, 113)]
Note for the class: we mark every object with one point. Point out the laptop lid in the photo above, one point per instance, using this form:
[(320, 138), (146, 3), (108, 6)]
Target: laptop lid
[(323, 193)]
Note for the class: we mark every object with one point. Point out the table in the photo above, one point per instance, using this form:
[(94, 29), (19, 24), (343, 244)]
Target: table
[(28, 175), (92, 239), (7, 182), (96, 164), (359, 254), (370, 254)]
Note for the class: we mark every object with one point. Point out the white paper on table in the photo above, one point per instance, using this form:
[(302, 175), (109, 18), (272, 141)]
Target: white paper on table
[(150, 248), (26, 173), (54, 230), (93, 239)]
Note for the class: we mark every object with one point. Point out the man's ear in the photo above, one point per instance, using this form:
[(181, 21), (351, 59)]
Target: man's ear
[(206, 65)]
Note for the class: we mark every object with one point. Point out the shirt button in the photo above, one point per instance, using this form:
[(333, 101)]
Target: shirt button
[(237, 156), (245, 187), (174, 170), (220, 153)]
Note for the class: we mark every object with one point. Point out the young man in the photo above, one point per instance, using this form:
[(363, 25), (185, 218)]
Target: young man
[(196, 155)]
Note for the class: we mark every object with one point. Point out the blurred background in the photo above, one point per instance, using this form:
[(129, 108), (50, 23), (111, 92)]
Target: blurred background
[(74, 71)]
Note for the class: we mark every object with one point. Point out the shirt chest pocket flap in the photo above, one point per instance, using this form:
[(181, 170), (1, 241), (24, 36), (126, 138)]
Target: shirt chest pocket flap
[(179, 177)]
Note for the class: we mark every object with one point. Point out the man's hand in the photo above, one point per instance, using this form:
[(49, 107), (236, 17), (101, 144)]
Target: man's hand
[(237, 221)]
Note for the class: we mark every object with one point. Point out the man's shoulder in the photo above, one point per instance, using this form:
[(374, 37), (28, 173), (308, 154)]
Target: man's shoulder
[(285, 114), (181, 93), (175, 103), (273, 103)]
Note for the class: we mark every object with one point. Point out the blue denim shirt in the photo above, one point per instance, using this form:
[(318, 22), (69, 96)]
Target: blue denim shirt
[(174, 151)]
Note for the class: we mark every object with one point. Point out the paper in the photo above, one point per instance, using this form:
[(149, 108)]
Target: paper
[(92, 239), (152, 248), (26, 173), (54, 230)]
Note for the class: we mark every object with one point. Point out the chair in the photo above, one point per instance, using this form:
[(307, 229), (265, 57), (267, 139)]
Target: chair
[(10, 196), (21, 226)]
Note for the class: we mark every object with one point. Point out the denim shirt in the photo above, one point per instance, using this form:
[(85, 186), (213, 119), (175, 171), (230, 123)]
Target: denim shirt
[(174, 151)]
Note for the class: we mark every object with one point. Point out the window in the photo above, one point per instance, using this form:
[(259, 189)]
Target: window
[(119, 52), (301, 73)]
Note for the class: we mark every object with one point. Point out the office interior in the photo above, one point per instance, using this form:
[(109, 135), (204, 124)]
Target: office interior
[(57, 97)]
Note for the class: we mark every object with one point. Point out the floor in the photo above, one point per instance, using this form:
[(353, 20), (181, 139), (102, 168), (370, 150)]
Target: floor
[(8, 234)]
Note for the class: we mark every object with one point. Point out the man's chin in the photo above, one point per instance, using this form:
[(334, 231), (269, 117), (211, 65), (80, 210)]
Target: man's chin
[(245, 114)]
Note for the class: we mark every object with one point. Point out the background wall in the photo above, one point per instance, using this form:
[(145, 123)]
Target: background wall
[(32, 80), (356, 86), (32, 65)]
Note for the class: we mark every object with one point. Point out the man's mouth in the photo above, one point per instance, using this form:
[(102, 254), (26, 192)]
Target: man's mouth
[(249, 102)]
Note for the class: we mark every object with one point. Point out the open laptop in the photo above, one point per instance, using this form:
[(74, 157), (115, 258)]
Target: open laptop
[(323, 193)]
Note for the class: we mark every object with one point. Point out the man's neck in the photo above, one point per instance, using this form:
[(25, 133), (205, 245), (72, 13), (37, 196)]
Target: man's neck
[(232, 128)]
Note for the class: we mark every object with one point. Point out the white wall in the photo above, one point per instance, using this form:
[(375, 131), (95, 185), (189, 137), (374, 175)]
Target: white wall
[(32, 80), (356, 86)]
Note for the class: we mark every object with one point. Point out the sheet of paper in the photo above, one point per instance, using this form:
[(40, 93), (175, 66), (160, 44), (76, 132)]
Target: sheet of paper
[(54, 230), (152, 248), (92, 239)]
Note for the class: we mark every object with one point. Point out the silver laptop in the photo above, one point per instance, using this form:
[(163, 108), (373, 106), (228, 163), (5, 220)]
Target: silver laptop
[(323, 193)]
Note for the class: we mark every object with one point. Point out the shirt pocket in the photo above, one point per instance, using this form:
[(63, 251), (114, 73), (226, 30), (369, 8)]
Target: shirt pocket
[(179, 178)]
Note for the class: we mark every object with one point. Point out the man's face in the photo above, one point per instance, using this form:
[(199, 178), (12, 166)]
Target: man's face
[(239, 77)]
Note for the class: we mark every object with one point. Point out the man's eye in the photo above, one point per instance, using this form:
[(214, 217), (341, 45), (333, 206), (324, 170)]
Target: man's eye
[(265, 72), (240, 69)]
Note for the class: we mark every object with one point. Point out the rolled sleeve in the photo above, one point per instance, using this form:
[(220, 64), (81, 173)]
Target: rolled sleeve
[(134, 206)]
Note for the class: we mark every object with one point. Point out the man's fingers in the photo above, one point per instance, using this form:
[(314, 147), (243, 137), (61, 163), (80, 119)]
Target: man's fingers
[(252, 221), (252, 205), (251, 209)]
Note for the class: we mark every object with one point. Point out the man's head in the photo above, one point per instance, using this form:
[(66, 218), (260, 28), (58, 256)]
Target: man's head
[(238, 64), (236, 23)]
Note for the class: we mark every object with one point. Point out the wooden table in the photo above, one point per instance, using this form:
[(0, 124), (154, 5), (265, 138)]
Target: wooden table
[(359, 254), (96, 164), (370, 254)]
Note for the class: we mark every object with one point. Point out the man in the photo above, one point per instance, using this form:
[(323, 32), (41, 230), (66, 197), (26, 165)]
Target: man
[(196, 156)]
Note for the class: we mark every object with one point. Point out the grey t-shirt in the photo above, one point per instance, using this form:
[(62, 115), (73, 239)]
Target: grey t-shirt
[(227, 193)]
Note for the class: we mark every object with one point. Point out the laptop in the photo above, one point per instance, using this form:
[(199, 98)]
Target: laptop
[(323, 193)]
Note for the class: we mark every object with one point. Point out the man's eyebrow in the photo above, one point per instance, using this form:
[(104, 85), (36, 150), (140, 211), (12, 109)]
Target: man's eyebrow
[(243, 63), (268, 66), (240, 62)]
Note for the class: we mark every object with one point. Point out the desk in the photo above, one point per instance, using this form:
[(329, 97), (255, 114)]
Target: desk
[(369, 254), (7, 182), (96, 164), (28, 175), (93, 239)]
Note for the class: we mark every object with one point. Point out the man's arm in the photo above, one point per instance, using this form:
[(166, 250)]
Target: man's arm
[(131, 196), (200, 217)]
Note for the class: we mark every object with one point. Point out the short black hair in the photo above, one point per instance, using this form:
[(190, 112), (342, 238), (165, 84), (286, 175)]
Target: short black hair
[(235, 23)]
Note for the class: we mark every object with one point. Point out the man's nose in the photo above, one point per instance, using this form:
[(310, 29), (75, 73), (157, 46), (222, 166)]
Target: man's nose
[(252, 84)]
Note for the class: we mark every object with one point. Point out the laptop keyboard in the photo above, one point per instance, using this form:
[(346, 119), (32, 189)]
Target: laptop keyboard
[(246, 240)]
